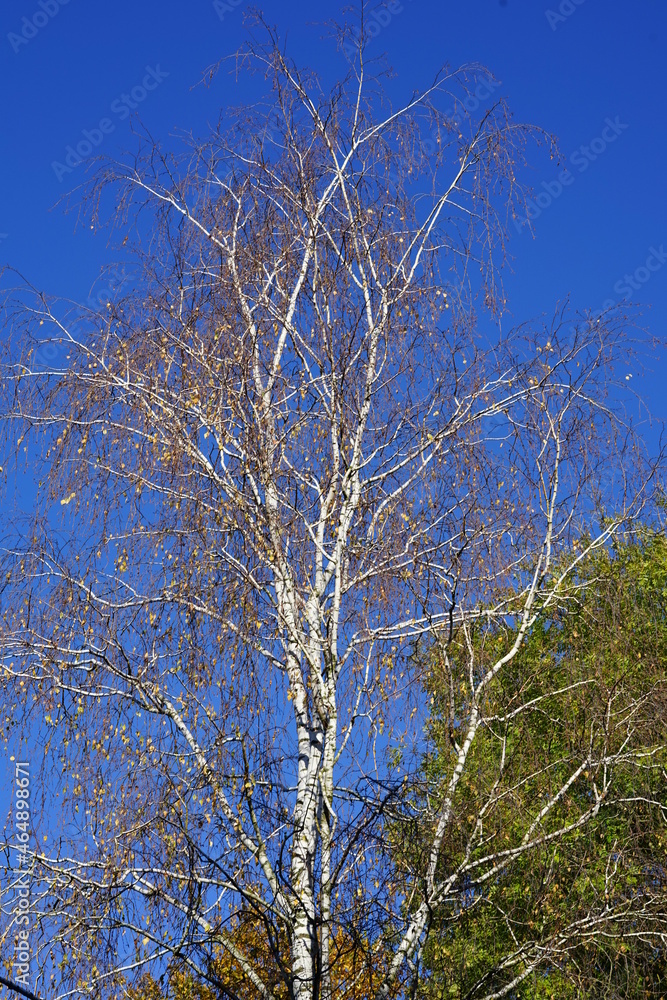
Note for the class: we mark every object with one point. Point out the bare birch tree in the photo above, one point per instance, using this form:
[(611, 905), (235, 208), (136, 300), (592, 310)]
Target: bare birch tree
[(283, 462)]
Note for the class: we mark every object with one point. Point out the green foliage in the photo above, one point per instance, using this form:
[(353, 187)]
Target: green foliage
[(579, 717)]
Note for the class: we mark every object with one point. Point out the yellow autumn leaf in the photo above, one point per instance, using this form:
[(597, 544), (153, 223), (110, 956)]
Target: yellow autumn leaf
[(66, 500)]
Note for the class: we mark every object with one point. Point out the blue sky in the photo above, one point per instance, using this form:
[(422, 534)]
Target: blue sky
[(592, 72), (568, 67)]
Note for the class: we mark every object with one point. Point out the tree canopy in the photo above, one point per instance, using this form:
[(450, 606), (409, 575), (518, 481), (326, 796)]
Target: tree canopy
[(288, 459)]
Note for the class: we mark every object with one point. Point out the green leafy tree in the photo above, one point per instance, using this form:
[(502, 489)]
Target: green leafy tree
[(559, 838)]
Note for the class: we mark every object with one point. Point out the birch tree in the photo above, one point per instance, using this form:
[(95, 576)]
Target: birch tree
[(297, 449)]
